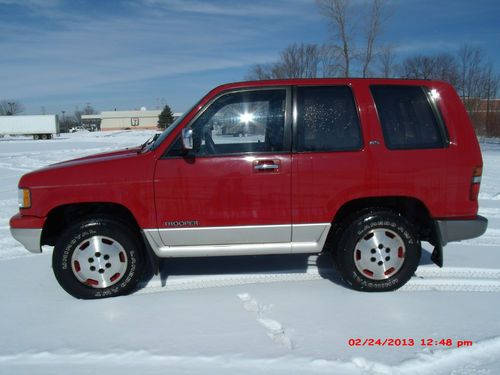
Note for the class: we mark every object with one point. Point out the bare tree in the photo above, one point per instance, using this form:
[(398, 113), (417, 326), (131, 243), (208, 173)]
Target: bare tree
[(10, 108), (470, 60), (372, 32), (442, 66), (492, 118), (87, 110), (297, 61), (330, 61), (474, 78), (478, 86), (260, 71), (338, 12), (387, 61), (300, 61), (343, 23)]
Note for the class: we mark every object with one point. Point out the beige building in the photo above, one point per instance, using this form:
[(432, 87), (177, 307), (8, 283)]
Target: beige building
[(122, 120), (125, 120)]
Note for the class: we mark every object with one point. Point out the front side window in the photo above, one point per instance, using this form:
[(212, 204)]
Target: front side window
[(407, 118), (241, 122), (327, 119)]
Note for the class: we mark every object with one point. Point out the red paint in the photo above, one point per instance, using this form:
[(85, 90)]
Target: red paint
[(307, 187)]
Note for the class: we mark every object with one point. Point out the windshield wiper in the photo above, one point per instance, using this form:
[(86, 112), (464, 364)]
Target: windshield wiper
[(148, 142)]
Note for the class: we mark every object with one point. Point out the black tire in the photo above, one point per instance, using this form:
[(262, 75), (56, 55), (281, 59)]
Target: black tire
[(126, 253), (375, 271)]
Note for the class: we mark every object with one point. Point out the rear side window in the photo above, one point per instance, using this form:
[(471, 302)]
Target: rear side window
[(327, 119), (407, 117)]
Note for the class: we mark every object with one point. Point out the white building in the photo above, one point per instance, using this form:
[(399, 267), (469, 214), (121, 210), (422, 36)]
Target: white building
[(125, 120)]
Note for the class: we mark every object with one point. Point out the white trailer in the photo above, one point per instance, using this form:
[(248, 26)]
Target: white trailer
[(39, 126)]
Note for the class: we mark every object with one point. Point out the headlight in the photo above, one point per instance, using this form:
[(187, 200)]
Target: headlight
[(24, 198)]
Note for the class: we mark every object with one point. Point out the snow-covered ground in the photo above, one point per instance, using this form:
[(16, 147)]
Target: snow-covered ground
[(268, 314)]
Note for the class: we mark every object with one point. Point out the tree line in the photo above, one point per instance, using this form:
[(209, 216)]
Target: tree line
[(10, 107), (355, 51)]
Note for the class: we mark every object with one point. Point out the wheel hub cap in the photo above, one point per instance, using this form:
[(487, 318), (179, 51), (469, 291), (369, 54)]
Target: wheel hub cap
[(99, 262), (380, 254)]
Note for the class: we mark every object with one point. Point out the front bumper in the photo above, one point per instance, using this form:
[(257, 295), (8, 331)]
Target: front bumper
[(29, 238), (458, 230), (28, 231)]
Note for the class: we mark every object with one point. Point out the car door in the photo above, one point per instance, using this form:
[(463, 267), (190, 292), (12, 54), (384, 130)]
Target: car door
[(330, 165), (231, 194)]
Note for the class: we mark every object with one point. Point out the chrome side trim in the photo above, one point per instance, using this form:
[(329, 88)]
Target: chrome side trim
[(223, 250), (309, 238), (237, 240), (29, 238), (153, 238), (226, 235)]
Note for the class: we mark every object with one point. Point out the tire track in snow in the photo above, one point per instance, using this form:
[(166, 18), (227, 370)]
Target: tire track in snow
[(425, 279), (210, 281)]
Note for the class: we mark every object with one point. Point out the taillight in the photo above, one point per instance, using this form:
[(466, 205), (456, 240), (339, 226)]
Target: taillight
[(475, 183)]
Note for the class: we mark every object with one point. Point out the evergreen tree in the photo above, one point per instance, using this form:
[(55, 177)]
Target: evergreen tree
[(166, 117)]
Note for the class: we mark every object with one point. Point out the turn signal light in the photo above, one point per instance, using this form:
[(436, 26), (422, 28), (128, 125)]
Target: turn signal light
[(24, 198), (475, 183)]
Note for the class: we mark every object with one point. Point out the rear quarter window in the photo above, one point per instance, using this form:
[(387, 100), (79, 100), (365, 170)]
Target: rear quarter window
[(408, 117)]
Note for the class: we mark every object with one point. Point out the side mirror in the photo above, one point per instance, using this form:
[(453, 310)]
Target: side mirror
[(187, 139)]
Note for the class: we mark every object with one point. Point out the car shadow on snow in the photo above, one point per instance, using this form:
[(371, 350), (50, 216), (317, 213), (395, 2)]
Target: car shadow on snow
[(234, 266), (246, 265)]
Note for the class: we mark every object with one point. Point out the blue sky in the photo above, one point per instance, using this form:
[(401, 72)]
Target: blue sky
[(59, 54)]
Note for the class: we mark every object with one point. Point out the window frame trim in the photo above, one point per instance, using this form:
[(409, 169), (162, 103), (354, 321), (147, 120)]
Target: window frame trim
[(286, 131), (441, 126), (295, 124)]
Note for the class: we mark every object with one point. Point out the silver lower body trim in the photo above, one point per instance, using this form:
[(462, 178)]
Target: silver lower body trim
[(238, 240), (29, 238), (226, 235)]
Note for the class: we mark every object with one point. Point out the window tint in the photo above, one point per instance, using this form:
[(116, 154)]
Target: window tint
[(327, 119), (407, 118), (250, 121)]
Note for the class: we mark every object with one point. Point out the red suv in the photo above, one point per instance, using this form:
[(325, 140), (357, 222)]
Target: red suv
[(363, 168)]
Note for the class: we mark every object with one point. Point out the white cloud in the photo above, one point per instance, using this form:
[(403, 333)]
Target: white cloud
[(228, 8), (32, 3), (84, 53)]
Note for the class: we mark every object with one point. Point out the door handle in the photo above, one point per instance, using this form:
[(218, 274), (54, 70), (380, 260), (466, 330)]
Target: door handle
[(266, 165)]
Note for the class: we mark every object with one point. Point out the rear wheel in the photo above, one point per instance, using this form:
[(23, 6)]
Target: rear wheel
[(377, 251), (97, 258)]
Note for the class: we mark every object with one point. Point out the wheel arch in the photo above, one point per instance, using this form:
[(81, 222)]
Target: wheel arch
[(414, 210), (61, 217)]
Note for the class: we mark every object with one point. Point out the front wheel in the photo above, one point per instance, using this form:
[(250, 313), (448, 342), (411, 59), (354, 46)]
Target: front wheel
[(97, 258), (378, 251)]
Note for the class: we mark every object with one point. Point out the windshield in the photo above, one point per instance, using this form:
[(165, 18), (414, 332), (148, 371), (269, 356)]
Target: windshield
[(170, 128)]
